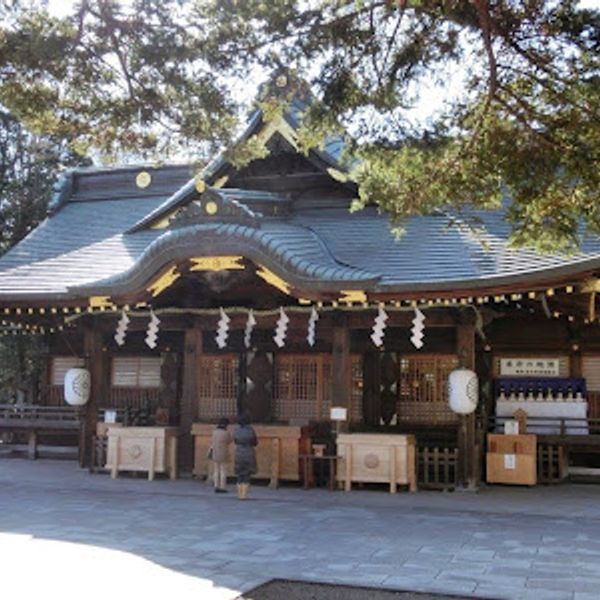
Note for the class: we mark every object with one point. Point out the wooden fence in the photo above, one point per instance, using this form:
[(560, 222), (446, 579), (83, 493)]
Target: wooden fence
[(437, 468)]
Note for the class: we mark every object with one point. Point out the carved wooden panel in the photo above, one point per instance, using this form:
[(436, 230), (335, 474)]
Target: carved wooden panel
[(257, 399), (388, 386)]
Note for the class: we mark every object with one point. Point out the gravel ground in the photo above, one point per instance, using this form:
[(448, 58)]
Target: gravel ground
[(299, 590)]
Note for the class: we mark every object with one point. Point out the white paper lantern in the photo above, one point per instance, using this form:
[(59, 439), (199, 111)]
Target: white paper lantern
[(463, 391), (77, 386)]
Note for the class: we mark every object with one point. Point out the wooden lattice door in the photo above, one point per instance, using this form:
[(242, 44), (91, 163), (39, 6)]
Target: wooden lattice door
[(218, 386), (423, 390)]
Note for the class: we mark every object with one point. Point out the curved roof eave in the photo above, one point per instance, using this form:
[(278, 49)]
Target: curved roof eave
[(224, 239)]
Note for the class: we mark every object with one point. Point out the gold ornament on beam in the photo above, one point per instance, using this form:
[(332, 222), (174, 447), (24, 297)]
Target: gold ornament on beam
[(217, 263), (143, 179), (350, 296), (199, 184), (100, 302), (164, 281), (273, 280)]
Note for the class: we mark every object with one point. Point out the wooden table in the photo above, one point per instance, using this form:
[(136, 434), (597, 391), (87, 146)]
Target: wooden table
[(310, 459), (277, 453), (379, 458), (151, 449)]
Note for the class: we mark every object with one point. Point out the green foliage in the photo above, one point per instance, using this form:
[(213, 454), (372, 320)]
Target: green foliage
[(149, 76), (29, 166), (22, 359)]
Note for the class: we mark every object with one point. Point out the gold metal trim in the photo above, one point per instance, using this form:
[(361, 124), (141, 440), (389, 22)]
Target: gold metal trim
[(164, 281), (216, 263), (273, 280)]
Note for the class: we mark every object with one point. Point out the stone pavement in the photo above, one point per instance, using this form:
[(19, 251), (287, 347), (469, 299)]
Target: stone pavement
[(67, 534)]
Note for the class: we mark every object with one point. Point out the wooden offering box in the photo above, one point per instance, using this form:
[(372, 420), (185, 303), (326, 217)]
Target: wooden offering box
[(151, 449), (512, 459), (277, 454), (378, 458)]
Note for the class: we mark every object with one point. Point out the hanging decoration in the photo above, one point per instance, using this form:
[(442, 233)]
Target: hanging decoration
[(152, 331), (250, 323), (379, 327), (222, 329), (281, 329), (121, 330), (312, 324), (417, 329)]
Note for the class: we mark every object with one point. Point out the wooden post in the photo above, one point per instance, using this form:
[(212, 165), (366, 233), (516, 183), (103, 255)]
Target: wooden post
[(169, 376), (153, 456), (468, 452), (275, 462), (97, 364), (32, 445), (348, 461), (172, 456), (372, 388), (342, 368), (114, 468), (393, 475), (192, 349)]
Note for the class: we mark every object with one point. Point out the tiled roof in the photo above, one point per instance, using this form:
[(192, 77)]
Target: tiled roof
[(432, 255), (84, 249)]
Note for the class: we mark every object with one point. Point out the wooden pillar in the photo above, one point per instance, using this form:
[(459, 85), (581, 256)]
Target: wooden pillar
[(469, 452), (97, 364), (372, 388), (342, 368), (169, 377), (192, 349)]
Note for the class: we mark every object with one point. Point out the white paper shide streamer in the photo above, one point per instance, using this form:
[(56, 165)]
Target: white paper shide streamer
[(152, 331), (417, 329), (250, 323), (121, 330), (281, 329), (222, 329), (312, 324), (379, 327)]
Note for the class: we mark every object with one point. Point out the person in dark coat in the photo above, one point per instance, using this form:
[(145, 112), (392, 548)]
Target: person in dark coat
[(245, 454)]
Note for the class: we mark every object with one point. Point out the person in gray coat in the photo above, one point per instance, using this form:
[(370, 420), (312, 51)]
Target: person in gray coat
[(219, 450), (245, 455)]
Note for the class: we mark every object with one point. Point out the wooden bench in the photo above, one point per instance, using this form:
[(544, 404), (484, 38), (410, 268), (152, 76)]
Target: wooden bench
[(34, 420)]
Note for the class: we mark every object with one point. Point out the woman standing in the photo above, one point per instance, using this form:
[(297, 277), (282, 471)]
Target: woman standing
[(245, 455), (221, 438)]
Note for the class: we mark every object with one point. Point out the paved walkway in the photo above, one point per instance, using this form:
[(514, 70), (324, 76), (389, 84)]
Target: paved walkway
[(67, 534)]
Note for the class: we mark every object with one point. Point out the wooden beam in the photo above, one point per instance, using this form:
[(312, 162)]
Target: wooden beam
[(97, 364), (192, 349), (469, 452), (342, 367)]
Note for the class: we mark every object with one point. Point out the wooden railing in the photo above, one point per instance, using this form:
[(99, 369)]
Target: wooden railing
[(437, 468), (552, 426)]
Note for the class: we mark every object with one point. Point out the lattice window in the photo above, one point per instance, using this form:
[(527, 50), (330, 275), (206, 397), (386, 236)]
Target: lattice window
[(219, 384), (136, 372), (304, 384), (60, 366), (423, 396)]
